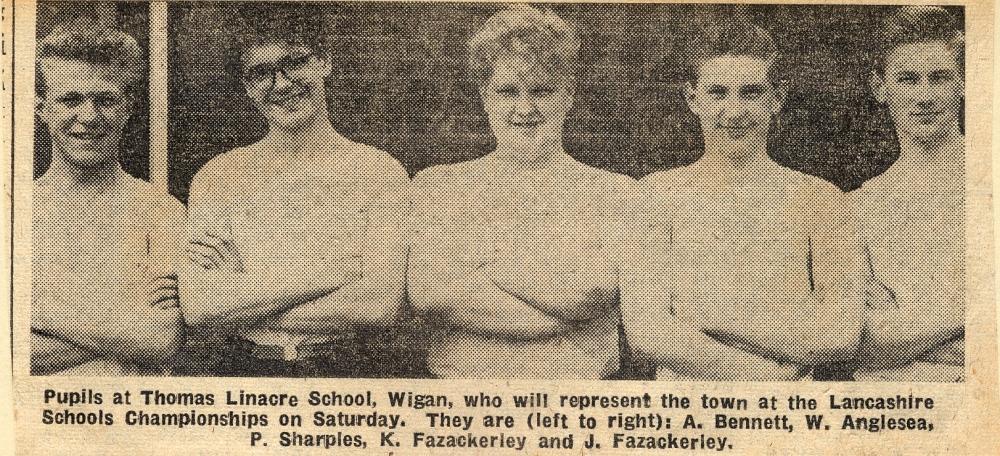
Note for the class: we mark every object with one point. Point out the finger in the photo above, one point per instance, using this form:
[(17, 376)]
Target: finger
[(166, 304), (163, 282), (218, 254), (163, 291), (204, 255), (158, 299), (200, 261), (223, 245)]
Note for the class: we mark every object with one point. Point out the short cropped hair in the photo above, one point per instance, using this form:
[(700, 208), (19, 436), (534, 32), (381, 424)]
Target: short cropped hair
[(86, 40), (736, 38), (297, 24), (920, 24), (538, 36)]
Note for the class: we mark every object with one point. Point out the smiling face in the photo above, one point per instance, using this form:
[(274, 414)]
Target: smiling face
[(923, 88), (735, 101), (286, 83), (85, 107), (526, 107)]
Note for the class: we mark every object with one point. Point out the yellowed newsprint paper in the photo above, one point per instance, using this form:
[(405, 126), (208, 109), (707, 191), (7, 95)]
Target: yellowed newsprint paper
[(498, 228)]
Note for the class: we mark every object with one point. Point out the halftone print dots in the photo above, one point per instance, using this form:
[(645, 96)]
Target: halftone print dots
[(104, 293)]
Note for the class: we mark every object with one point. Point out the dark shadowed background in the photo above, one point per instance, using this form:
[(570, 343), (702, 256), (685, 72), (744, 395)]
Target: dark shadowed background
[(400, 84), (133, 18)]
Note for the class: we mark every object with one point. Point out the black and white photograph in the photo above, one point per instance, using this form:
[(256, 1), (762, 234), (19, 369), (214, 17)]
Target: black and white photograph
[(565, 191)]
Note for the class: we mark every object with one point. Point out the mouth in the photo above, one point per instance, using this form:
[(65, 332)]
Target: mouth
[(925, 116), (526, 125), (87, 135), (289, 100), (735, 130)]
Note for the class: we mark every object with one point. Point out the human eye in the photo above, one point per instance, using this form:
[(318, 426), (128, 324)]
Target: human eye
[(297, 63), (752, 92), (257, 73), (907, 78), (507, 91), (71, 99), (543, 91), (937, 77), (717, 92), (107, 100)]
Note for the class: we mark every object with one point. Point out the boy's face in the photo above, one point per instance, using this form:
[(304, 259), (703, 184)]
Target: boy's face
[(923, 88), (287, 83), (85, 107), (734, 99), (526, 107)]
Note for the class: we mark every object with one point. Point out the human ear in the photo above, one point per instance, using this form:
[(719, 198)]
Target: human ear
[(877, 85), (324, 58), (40, 110), (690, 98), (780, 95)]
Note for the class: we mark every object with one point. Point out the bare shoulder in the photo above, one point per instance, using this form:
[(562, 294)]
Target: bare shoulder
[(222, 168), (670, 180), (610, 187), (379, 165), (156, 203), (448, 176)]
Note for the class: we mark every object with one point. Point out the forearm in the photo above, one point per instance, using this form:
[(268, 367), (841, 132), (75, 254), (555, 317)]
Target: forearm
[(563, 295), (50, 355), (899, 336), (471, 302), (810, 334), (691, 353), (141, 334), (234, 299), (354, 304)]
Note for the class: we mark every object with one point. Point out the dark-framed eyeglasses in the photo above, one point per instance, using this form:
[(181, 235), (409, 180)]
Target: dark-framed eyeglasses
[(291, 67)]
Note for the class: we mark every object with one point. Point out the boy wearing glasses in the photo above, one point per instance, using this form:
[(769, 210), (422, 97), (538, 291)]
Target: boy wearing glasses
[(103, 289), (295, 241), (745, 270)]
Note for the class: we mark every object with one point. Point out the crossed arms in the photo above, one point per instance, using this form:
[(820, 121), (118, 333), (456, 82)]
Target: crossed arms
[(363, 286), (141, 324), (905, 327)]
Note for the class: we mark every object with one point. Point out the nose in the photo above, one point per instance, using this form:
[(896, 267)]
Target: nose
[(525, 106), (280, 79), (923, 94), (88, 112), (733, 109)]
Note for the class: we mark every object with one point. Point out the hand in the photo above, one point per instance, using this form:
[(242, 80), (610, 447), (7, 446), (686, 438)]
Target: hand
[(213, 252), (162, 292)]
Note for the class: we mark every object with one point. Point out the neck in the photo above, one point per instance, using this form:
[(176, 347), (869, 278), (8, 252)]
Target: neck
[(746, 156), (538, 156), (936, 148), (75, 179), (307, 138)]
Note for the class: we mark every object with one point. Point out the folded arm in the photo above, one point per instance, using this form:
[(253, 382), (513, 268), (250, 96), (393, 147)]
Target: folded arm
[(215, 287), (51, 354), (901, 328), (123, 327), (824, 323), (655, 332), (376, 297), (471, 301)]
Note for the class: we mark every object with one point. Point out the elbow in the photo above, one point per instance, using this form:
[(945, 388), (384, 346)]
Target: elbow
[(162, 343)]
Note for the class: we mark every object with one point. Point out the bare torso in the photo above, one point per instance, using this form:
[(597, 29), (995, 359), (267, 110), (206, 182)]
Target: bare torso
[(548, 235)]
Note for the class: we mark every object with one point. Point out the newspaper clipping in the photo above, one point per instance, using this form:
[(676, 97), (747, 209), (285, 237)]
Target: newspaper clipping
[(389, 227)]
